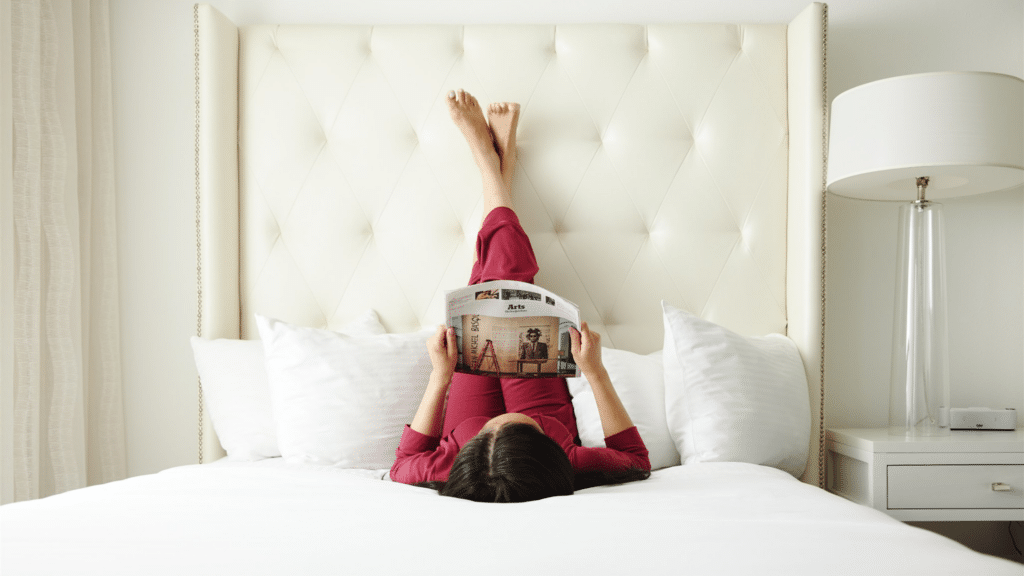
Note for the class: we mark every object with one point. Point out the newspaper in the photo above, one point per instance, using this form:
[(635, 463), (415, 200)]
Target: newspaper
[(513, 329)]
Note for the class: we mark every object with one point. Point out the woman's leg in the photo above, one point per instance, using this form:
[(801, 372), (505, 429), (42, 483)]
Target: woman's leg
[(473, 395), (535, 396), (503, 250)]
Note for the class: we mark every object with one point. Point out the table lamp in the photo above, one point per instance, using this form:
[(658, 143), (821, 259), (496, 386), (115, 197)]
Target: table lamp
[(916, 139)]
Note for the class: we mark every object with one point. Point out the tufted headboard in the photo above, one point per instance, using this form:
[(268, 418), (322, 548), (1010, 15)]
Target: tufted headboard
[(681, 162)]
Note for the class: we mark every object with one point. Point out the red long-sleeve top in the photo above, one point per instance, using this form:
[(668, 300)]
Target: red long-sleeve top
[(474, 400), (422, 458)]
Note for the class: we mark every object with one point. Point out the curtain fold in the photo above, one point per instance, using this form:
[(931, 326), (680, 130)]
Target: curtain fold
[(67, 425)]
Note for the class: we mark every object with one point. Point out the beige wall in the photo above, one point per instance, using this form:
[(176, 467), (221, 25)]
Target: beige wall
[(868, 40)]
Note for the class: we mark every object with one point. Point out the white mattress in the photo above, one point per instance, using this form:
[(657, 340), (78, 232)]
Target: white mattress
[(274, 518)]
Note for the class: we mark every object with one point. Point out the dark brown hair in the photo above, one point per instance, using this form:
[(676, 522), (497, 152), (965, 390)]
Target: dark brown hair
[(518, 463)]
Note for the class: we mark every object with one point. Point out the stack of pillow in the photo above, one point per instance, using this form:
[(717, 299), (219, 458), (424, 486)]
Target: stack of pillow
[(341, 398)]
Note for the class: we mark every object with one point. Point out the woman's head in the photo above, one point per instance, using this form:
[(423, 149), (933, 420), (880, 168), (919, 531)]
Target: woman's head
[(510, 460)]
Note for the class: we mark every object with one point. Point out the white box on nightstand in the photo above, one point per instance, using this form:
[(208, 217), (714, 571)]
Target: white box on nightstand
[(968, 475)]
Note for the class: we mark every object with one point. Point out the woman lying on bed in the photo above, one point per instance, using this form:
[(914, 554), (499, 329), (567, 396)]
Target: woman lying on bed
[(510, 439)]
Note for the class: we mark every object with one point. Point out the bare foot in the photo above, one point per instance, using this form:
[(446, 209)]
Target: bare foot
[(467, 115), (503, 118)]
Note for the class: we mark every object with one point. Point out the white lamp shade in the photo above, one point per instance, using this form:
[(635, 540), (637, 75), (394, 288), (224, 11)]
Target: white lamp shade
[(964, 130)]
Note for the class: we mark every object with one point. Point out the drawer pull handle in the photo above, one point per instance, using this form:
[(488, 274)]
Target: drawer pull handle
[(1001, 487)]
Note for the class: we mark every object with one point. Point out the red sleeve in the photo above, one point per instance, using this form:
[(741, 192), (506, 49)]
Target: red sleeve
[(624, 450), (422, 458)]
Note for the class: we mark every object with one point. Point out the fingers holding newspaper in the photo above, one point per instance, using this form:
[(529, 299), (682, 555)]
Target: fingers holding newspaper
[(586, 348), (444, 352)]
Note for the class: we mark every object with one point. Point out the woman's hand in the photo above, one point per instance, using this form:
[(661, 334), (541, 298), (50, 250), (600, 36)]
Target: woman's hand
[(444, 352), (586, 348)]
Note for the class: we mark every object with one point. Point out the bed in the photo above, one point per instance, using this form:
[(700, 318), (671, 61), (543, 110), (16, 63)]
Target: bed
[(671, 180)]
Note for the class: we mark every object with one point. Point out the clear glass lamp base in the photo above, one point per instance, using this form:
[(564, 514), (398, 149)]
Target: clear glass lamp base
[(919, 384)]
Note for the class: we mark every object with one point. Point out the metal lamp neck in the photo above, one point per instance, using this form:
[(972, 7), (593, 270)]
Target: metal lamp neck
[(922, 185)]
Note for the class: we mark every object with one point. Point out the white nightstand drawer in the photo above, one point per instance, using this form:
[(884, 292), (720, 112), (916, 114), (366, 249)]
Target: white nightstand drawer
[(950, 486)]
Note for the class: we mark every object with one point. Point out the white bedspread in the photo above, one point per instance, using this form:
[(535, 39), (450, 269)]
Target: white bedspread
[(269, 518)]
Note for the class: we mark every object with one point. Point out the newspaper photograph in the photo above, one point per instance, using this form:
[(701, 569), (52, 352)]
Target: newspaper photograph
[(512, 329)]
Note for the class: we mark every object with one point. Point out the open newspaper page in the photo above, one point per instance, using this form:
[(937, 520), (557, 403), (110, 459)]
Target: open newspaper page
[(513, 329)]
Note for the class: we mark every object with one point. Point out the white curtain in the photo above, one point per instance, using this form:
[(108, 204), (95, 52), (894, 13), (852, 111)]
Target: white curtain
[(63, 421)]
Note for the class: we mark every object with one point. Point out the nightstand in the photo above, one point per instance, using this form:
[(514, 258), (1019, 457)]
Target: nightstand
[(968, 475)]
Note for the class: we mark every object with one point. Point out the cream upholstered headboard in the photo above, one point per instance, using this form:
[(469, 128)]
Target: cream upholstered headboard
[(681, 162)]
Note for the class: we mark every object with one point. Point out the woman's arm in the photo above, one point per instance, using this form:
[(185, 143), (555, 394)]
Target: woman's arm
[(443, 356), (586, 349), (625, 451), (421, 458)]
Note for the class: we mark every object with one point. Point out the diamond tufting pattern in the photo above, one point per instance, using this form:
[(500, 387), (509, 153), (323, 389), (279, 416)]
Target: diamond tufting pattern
[(653, 165)]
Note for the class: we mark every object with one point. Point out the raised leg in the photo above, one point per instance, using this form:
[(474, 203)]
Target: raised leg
[(469, 117)]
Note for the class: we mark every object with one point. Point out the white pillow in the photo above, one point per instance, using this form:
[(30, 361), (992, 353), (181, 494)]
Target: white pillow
[(237, 395), (730, 398), (342, 400), (639, 382)]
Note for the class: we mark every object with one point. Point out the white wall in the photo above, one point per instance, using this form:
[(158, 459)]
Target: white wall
[(868, 40)]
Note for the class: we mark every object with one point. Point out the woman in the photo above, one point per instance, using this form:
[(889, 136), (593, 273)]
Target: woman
[(510, 439)]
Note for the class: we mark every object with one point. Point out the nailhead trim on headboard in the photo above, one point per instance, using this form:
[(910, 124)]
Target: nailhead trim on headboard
[(199, 245), (824, 226)]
